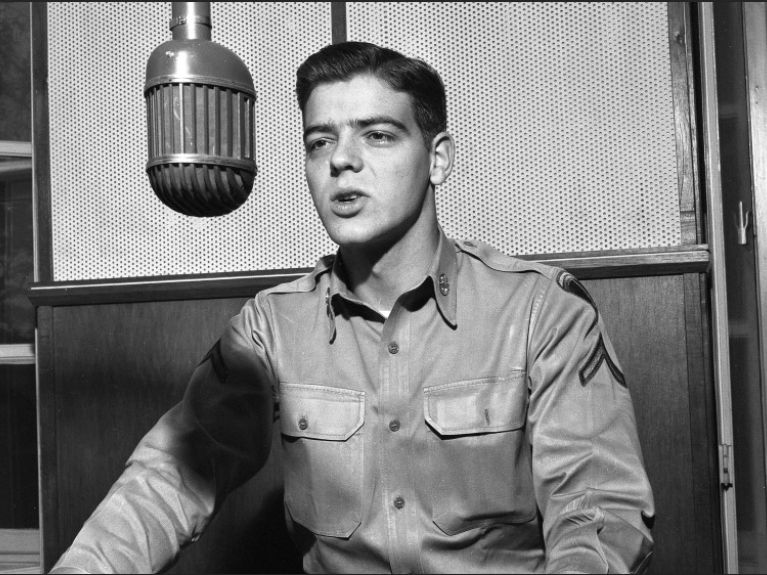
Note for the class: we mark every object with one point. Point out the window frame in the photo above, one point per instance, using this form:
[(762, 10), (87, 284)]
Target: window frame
[(20, 548), (17, 353)]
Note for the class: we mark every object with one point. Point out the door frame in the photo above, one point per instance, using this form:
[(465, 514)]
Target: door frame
[(718, 281)]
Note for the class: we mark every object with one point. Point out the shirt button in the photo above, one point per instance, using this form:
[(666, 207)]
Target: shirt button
[(303, 424), (394, 425), (399, 503), (393, 348)]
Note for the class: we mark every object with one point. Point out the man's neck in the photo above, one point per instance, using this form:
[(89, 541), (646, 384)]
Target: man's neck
[(378, 278)]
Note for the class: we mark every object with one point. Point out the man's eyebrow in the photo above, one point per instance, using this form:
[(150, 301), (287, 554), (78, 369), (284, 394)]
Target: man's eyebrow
[(358, 123), (317, 128), (366, 122)]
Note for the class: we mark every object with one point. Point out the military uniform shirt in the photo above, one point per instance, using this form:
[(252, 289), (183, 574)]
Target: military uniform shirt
[(485, 425)]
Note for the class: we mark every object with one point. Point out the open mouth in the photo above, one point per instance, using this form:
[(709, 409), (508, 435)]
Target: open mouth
[(346, 197), (347, 203)]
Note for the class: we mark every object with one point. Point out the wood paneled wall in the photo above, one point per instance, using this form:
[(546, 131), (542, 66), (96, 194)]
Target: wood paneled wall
[(656, 326), (108, 371), (113, 370)]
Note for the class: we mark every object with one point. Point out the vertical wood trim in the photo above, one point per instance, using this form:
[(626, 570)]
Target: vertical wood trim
[(338, 21), (47, 438), (693, 67), (41, 202), (718, 287), (755, 40), (682, 94), (705, 471)]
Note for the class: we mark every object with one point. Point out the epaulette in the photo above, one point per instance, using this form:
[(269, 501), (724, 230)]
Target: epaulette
[(569, 283), (306, 282), (497, 260)]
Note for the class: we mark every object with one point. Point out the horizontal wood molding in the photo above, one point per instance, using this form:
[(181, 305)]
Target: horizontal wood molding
[(631, 263), (587, 265), (15, 149), (164, 288), (17, 354), (20, 551)]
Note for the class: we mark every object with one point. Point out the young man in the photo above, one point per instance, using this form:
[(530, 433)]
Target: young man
[(443, 407)]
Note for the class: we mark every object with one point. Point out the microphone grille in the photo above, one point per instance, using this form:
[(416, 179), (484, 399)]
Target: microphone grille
[(201, 190), (201, 150)]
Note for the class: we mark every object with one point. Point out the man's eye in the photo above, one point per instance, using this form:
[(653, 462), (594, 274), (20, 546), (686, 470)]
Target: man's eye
[(380, 137), (315, 145)]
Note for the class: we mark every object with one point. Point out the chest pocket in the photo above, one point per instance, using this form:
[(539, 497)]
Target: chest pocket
[(479, 459), (323, 456)]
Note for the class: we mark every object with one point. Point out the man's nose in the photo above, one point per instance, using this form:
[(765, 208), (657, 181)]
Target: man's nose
[(345, 156)]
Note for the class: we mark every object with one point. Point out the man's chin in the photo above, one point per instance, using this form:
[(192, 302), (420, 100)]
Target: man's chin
[(364, 239), (351, 237), (362, 244), (354, 244)]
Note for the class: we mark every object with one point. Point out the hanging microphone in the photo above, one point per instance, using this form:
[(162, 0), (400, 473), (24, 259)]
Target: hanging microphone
[(200, 102)]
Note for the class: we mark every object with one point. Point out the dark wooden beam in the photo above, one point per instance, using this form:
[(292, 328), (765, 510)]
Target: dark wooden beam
[(338, 21), (683, 96), (587, 265), (41, 141)]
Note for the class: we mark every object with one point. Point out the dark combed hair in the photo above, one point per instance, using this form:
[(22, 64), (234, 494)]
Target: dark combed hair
[(343, 61)]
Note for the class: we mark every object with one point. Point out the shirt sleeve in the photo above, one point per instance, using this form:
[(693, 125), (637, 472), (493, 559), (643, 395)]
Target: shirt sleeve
[(589, 476), (217, 437)]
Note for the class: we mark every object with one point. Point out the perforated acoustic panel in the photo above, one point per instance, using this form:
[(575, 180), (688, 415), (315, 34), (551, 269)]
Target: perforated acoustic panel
[(106, 220), (562, 113)]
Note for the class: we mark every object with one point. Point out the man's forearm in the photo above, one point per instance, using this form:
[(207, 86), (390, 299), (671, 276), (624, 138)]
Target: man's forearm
[(159, 504)]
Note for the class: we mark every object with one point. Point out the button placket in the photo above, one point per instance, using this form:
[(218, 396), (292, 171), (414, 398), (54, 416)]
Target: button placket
[(396, 478)]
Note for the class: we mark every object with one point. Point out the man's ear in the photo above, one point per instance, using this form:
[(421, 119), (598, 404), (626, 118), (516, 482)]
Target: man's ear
[(442, 156)]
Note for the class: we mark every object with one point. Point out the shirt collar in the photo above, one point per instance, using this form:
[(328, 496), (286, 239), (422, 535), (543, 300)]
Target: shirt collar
[(442, 272), (444, 279)]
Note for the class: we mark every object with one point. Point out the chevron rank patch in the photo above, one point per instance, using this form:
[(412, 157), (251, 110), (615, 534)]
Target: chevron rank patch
[(599, 354), (215, 357)]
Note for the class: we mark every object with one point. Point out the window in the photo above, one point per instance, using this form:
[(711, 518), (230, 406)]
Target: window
[(18, 404), (18, 476)]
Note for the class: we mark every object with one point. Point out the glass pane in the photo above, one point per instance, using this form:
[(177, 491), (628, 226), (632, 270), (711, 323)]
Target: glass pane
[(18, 447), (742, 294), (15, 72), (17, 315)]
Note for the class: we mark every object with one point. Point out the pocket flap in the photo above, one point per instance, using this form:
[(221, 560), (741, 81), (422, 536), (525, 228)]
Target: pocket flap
[(320, 412), (477, 406)]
